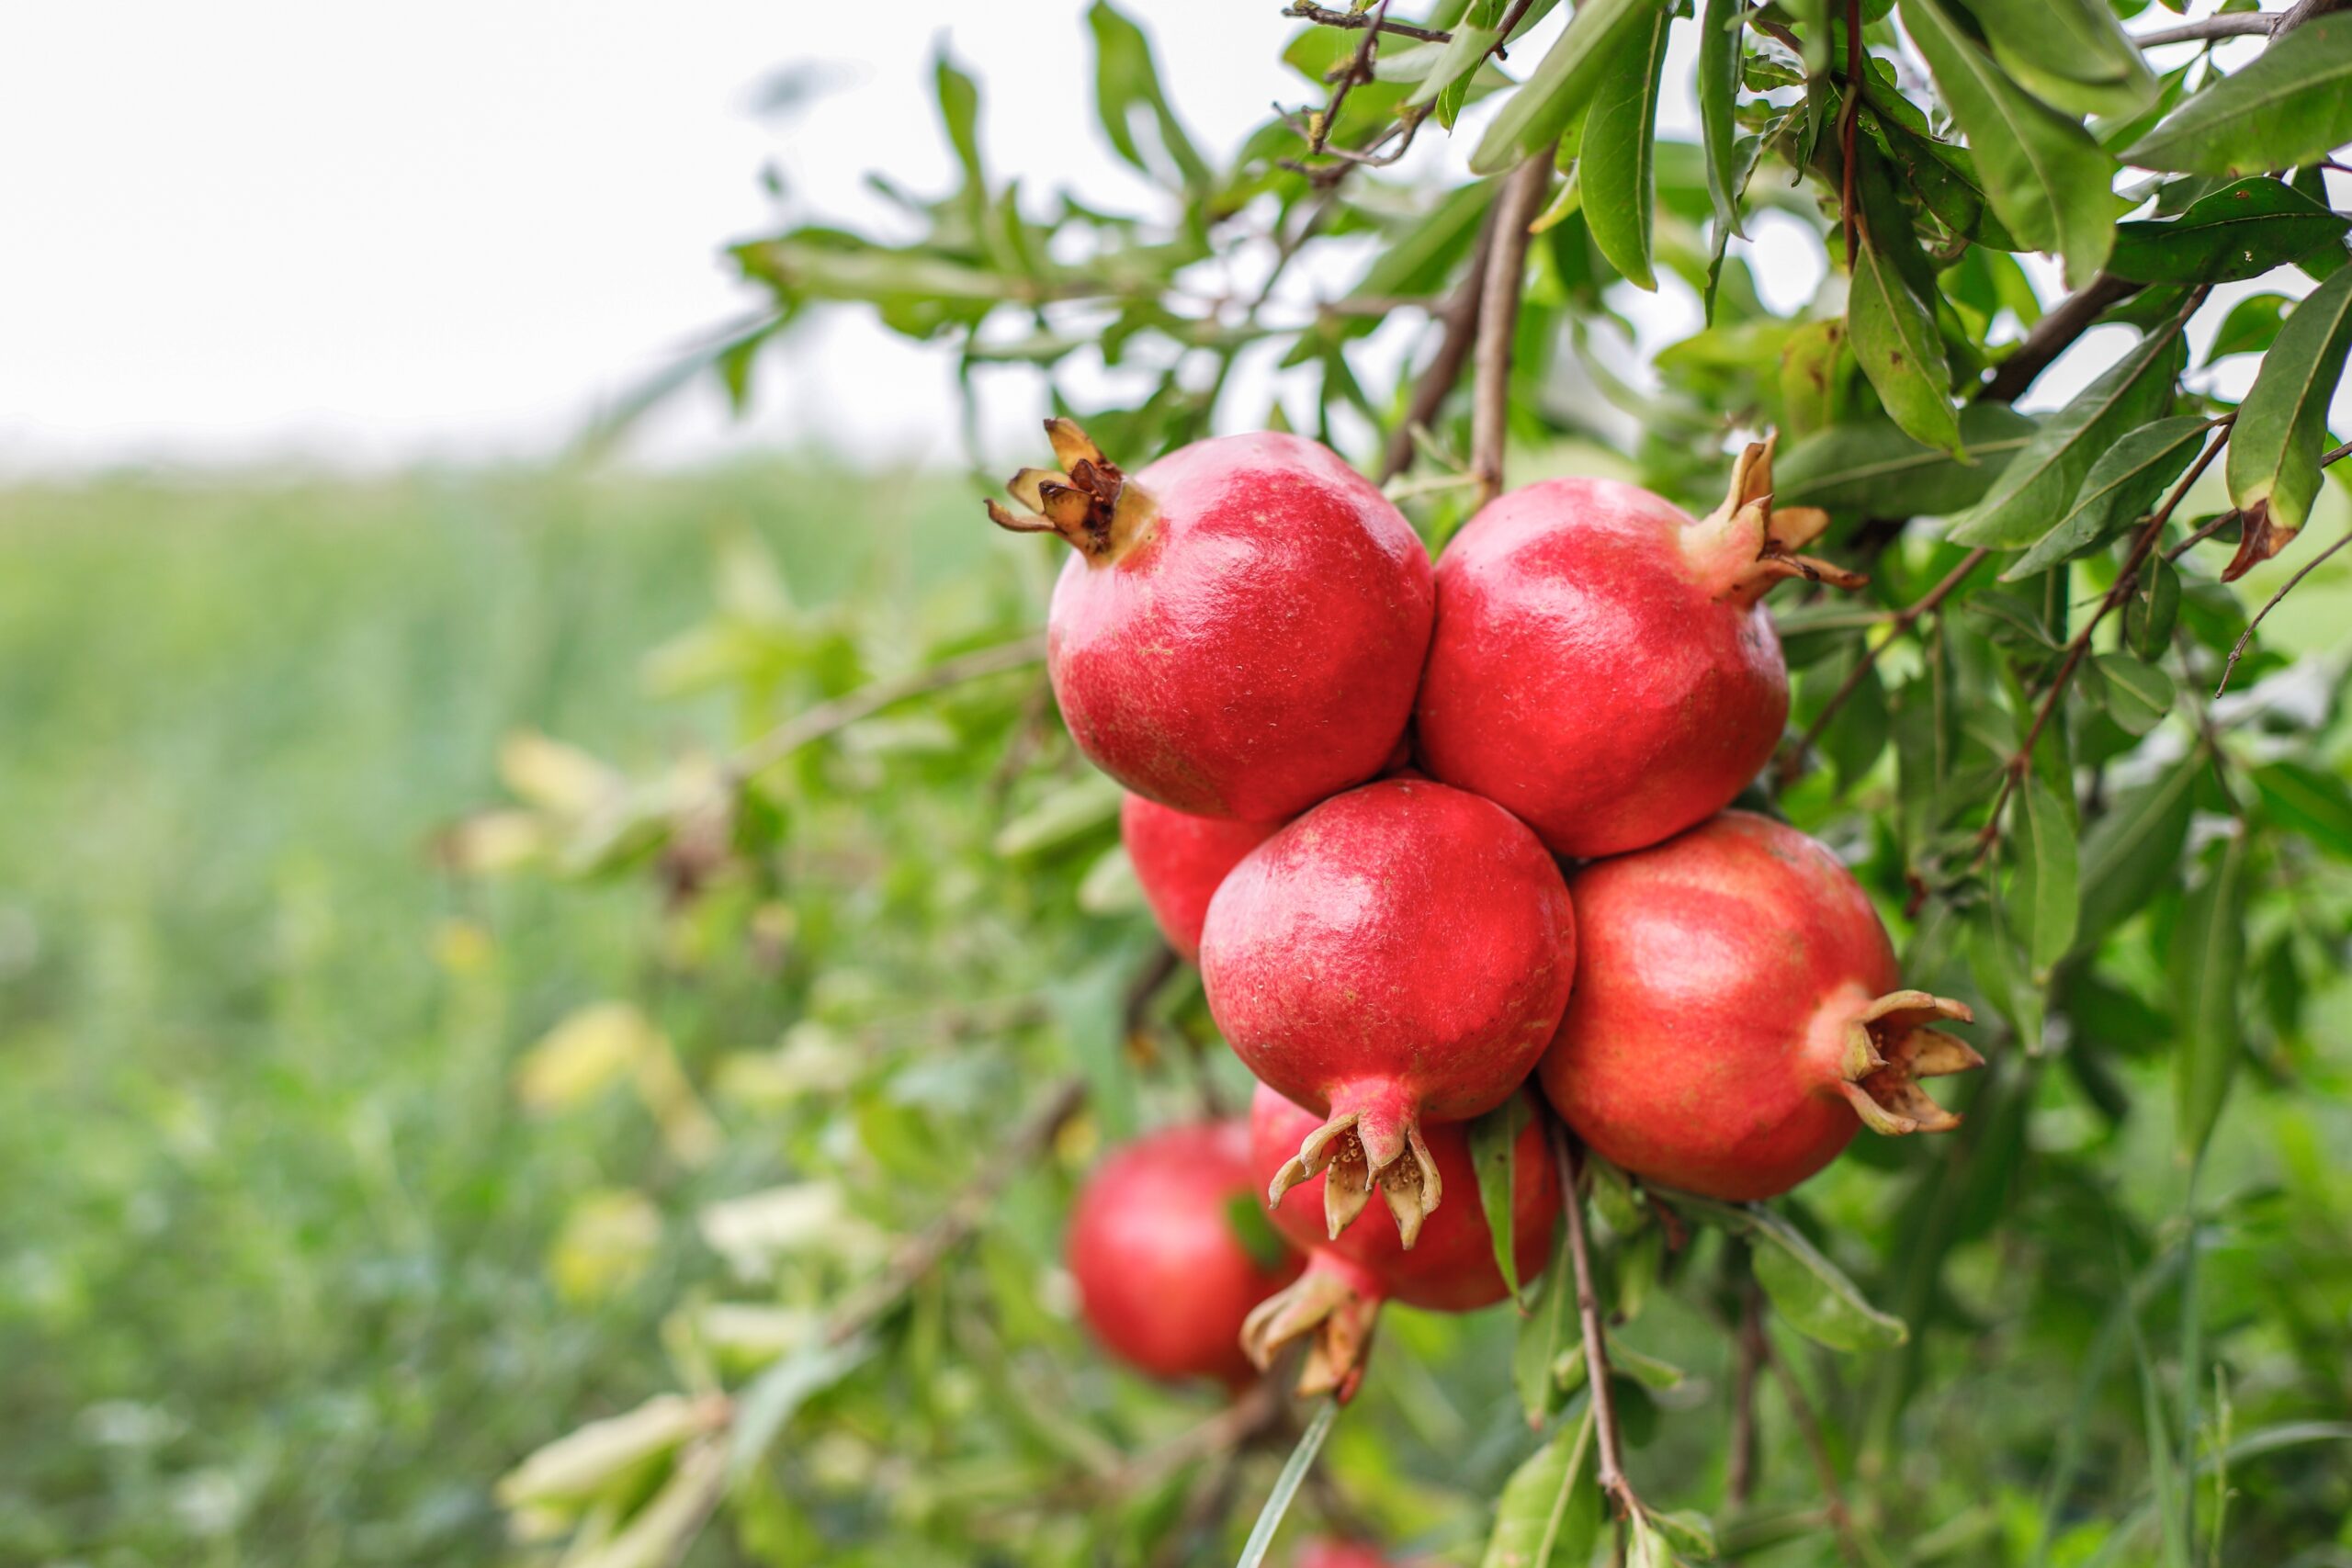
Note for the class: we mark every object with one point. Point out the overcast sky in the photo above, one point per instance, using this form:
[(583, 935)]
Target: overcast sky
[(251, 230)]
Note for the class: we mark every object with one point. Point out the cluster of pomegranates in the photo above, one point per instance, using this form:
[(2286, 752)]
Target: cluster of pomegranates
[(1437, 836)]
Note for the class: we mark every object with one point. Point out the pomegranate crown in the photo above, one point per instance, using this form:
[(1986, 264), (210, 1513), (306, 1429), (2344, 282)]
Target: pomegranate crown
[(1089, 502), (1889, 1047), (1746, 545), (1334, 1307)]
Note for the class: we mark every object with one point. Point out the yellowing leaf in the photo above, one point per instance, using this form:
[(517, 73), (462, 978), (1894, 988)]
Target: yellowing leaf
[(583, 1057)]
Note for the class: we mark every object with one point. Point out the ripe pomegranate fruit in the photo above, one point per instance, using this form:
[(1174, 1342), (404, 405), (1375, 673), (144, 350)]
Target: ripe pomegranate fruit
[(1162, 1276), (1336, 1301), (1239, 627), (1602, 667), (1180, 860), (1736, 1014), (1326, 1552), (1398, 955)]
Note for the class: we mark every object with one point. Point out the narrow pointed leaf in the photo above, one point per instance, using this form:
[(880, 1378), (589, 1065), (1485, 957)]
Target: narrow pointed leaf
[(1895, 341), (1562, 84), (1493, 1153), (1808, 1289), (2072, 53), (2045, 890), (2208, 955), (1617, 167), (2311, 802), (1286, 1485), (2282, 425), (2138, 694), (2292, 105), (1548, 1513), (1721, 40), (2239, 231), (2133, 851), (1544, 1336), (2123, 484), (1871, 466)]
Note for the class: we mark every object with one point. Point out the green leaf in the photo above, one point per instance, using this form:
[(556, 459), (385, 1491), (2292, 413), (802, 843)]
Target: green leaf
[(1458, 59), (2251, 326), (2072, 53), (2152, 610), (1721, 38), (762, 1410), (1493, 1154), (2045, 894), (1870, 466), (1624, 1361), (1286, 1485), (1810, 381), (2131, 852), (1562, 84), (1126, 85), (2051, 184), (2138, 694), (1808, 1290), (1897, 343), (2307, 801), (2239, 231), (1544, 1336), (2207, 955), (2282, 425), (2119, 489), (1617, 168), (1548, 1513), (959, 109), (2292, 105), (2035, 488)]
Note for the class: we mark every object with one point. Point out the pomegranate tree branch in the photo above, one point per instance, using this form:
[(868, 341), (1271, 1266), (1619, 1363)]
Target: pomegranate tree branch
[(1905, 619), (1833, 1496), (1608, 1465), (814, 724), (917, 1256), (2237, 650), (2126, 581), (1461, 329), (2052, 336), (2240, 23), (1323, 16), (1748, 1346), (1517, 205)]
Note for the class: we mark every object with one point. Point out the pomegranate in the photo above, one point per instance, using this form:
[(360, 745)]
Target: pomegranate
[(1326, 1552), (1239, 627), (1602, 666), (1181, 858), (1163, 1275), (1736, 1014), (1400, 955), (1337, 1300)]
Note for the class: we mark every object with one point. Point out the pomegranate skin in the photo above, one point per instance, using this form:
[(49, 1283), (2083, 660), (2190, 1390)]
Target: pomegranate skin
[(1324, 1552), (1397, 956), (1163, 1281), (1337, 1301), (1736, 1015), (1180, 860), (1255, 645)]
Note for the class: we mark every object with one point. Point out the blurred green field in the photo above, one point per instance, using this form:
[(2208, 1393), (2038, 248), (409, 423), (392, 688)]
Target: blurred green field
[(272, 1239)]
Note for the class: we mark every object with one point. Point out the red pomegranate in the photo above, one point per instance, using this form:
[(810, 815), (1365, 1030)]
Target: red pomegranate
[(1398, 955), (1736, 1014), (1240, 626), (1337, 1300), (1163, 1275), (1181, 858), (1602, 667), (1326, 1552)]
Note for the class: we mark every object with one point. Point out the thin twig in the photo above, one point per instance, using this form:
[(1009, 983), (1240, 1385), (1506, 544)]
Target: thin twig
[(2215, 525), (1323, 16), (1905, 619), (2238, 650), (2052, 336), (814, 724), (917, 1256), (1833, 1496), (2126, 581), (1748, 1346), (1608, 1465), (2240, 23), (1518, 203), (1359, 69), (1461, 322)]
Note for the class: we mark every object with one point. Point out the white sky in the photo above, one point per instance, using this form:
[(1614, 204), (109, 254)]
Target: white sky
[(248, 231)]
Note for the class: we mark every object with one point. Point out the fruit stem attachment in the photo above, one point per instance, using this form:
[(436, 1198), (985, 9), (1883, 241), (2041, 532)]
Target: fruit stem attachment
[(1887, 1047), (1089, 502), (1334, 1306), (1743, 547), (1372, 1141)]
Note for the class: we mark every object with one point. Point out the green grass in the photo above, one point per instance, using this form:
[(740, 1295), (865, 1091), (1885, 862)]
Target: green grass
[(273, 1284)]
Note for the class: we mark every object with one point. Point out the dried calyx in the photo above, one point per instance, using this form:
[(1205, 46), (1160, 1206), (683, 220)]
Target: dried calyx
[(1334, 1308), (1364, 1150), (1743, 547), (1089, 502), (1889, 1047)]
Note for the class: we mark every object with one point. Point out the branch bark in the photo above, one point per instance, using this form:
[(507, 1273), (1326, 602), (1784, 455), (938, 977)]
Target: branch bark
[(1609, 1465), (1461, 320), (1517, 205), (1908, 616), (2052, 336), (1323, 16)]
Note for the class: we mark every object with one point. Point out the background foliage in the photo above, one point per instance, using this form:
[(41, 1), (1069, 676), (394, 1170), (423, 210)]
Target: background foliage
[(719, 1084)]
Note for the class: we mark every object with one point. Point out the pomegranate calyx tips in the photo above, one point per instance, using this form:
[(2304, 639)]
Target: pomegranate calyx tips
[(1890, 1047), (1357, 1152), (1746, 545), (1089, 502), (1333, 1312)]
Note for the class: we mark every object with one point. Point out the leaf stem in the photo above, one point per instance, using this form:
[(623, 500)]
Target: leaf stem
[(2237, 651)]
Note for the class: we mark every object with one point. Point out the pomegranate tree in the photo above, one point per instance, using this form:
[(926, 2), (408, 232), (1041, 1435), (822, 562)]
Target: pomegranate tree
[(1602, 665), (1163, 1277), (1240, 626), (1397, 956), (1737, 1014), (1335, 1304)]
